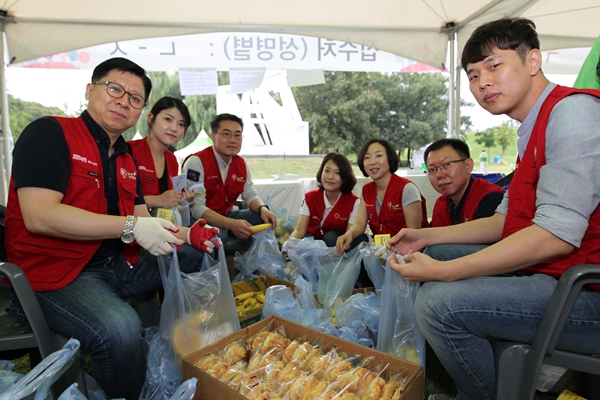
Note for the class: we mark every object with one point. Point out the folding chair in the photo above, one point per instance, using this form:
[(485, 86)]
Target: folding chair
[(518, 365)]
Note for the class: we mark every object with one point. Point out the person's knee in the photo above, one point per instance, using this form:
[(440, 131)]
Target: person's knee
[(330, 238)]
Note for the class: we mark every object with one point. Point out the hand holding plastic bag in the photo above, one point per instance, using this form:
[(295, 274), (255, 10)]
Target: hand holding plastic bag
[(399, 334)]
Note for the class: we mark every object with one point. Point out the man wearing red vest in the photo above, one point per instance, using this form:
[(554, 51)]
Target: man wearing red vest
[(463, 198), (77, 225), (548, 221), (218, 176)]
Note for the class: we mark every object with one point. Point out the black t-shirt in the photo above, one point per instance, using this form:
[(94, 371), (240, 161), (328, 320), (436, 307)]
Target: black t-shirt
[(41, 159)]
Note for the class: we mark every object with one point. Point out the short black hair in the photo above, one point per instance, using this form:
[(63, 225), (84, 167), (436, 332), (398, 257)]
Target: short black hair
[(124, 65), (216, 121), (346, 172), (458, 145), (517, 34), (166, 102), (392, 156)]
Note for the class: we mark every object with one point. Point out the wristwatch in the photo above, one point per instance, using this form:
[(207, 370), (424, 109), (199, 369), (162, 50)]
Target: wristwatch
[(261, 206), (127, 235)]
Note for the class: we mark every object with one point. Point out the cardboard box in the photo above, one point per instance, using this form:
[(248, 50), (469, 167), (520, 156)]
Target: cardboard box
[(209, 388), (259, 284)]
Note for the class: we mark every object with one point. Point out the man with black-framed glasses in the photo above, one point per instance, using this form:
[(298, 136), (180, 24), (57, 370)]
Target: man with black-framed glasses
[(77, 225), (463, 198), (218, 176)]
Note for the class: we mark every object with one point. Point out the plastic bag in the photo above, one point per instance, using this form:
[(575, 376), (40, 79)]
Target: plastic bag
[(305, 255), (343, 277), (374, 265), (280, 302), (181, 212), (263, 256), (360, 313), (186, 391), (198, 310), (7, 375), (43, 375), (400, 336), (72, 393)]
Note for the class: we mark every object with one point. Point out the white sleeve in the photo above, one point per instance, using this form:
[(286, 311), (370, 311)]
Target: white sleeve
[(354, 212)]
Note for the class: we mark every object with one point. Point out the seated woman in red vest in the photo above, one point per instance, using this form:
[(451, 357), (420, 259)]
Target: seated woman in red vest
[(329, 211), (390, 202), (168, 120)]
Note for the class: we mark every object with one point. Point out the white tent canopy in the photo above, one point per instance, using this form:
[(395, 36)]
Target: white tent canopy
[(422, 30), (416, 29)]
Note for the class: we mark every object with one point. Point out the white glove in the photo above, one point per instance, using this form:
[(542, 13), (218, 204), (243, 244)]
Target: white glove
[(382, 252), (152, 234)]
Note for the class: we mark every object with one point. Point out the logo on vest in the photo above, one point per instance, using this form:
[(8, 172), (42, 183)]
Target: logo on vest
[(394, 207), (337, 216), (236, 178), (77, 157), (125, 174)]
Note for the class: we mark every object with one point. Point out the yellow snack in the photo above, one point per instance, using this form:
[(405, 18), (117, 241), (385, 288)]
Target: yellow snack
[(381, 240), (261, 227), (165, 213)]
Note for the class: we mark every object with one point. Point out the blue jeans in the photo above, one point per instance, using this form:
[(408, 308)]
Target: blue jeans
[(459, 319), (91, 309), (250, 216), (445, 252)]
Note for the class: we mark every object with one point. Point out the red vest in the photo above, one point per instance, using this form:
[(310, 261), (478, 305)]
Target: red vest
[(337, 219), (145, 164), (51, 263), (470, 202), (391, 216), (521, 202), (220, 197)]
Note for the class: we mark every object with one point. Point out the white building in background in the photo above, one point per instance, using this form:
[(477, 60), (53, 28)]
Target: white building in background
[(270, 128)]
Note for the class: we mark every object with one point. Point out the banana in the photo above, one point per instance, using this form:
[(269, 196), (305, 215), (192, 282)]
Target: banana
[(260, 296), (249, 303), (244, 296), (239, 308)]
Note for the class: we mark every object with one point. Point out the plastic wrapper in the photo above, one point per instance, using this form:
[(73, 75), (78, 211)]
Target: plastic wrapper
[(280, 301), (186, 390), (304, 294), (360, 313), (198, 309), (262, 256), (7, 375), (399, 333)]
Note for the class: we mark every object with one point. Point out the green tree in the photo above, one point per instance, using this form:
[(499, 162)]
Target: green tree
[(202, 108), (410, 110), (21, 113), (502, 135)]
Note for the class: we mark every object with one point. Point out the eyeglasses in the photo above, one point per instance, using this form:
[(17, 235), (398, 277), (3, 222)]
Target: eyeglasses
[(117, 91), (229, 135), (442, 167)]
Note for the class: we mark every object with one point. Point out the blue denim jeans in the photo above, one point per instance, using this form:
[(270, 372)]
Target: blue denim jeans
[(445, 252), (459, 319), (250, 216), (91, 309)]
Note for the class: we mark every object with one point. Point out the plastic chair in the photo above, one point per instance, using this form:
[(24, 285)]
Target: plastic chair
[(34, 336), (518, 364)]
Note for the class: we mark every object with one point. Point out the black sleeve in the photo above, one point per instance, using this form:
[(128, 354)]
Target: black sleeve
[(487, 205), (41, 157)]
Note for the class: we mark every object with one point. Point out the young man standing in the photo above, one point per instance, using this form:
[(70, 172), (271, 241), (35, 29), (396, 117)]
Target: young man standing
[(547, 222), (225, 176)]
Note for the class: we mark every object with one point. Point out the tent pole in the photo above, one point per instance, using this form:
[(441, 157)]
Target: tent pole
[(7, 141), (457, 103), (451, 86)]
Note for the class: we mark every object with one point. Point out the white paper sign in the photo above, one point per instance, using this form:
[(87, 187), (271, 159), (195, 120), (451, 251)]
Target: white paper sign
[(305, 77), (245, 80), (198, 81)]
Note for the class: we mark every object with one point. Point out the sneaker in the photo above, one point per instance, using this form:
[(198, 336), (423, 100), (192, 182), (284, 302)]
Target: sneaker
[(441, 397)]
